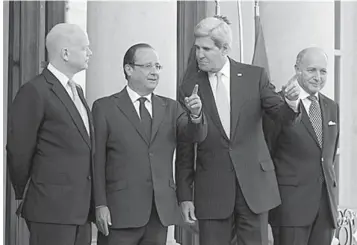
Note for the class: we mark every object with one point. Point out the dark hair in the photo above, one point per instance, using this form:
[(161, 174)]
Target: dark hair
[(129, 57)]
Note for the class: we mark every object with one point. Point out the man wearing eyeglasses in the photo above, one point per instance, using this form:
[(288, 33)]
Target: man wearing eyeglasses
[(137, 132)]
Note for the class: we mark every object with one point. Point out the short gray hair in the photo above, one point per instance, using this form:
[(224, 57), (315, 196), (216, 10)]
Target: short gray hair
[(217, 28)]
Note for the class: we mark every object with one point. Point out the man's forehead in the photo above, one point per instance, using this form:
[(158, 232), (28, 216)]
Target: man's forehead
[(204, 41), (314, 58), (146, 54)]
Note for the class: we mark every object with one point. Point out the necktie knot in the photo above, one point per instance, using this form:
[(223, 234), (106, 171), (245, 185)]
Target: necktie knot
[(71, 83), (219, 76), (312, 98), (73, 87), (142, 100)]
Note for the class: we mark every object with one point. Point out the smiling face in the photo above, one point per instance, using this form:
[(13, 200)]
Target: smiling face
[(143, 75), (312, 71)]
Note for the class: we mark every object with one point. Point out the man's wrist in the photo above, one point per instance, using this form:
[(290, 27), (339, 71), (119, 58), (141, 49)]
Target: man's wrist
[(196, 119), (293, 104), (101, 206)]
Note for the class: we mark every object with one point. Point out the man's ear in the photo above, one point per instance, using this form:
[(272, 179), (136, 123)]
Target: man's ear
[(225, 49), (128, 69), (297, 69), (65, 54)]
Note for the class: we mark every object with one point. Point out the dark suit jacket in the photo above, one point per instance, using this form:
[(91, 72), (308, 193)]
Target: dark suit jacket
[(243, 156), (129, 169), (298, 160), (48, 142)]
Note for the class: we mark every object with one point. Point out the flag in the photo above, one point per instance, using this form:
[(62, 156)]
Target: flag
[(260, 57)]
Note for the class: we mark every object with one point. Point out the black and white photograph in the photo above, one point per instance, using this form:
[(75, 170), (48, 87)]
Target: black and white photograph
[(179, 122)]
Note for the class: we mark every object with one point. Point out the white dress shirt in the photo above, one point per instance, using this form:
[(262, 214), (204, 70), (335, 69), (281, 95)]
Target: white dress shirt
[(134, 97), (64, 81), (303, 97), (226, 72), (62, 78)]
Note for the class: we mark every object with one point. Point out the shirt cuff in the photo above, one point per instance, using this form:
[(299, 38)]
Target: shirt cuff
[(100, 206), (196, 119), (293, 104)]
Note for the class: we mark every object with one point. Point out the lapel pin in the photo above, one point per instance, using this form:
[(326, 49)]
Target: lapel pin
[(239, 74)]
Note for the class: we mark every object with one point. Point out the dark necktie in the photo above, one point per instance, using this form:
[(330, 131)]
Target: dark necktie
[(145, 117), (315, 118)]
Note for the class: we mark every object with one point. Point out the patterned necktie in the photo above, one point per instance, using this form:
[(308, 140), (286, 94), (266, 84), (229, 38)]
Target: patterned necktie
[(315, 118), (79, 105), (145, 117), (222, 104)]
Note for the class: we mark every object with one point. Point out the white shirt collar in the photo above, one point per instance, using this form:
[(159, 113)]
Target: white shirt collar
[(225, 70), (59, 75), (134, 96), (303, 94)]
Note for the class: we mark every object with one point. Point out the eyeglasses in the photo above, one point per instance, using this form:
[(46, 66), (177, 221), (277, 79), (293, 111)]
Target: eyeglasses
[(149, 66)]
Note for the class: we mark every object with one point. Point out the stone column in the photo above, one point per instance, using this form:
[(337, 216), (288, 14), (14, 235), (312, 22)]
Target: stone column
[(348, 111)]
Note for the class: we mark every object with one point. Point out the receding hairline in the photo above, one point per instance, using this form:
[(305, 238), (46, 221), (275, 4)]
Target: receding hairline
[(62, 32), (143, 48), (301, 55)]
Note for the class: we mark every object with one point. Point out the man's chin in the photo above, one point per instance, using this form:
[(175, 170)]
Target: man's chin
[(203, 68), (315, 89)]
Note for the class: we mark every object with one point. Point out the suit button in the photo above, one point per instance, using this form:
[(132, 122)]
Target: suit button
[(89, 177), (151, 154)]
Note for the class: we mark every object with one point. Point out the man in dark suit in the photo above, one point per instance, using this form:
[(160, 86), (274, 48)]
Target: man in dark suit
[(304, 155), (50, 144), (136, 135), (234, 180)]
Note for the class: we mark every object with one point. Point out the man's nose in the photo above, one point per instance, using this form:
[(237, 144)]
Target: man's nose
[(318, 76), (89, 52), (199, 54)]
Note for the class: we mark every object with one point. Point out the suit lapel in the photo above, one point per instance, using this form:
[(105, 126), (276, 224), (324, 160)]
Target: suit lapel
[(126, 106), (158, 114), (90, 119), (307, 123), (325, 118), (205, 92), (63, 96), (237, 93)]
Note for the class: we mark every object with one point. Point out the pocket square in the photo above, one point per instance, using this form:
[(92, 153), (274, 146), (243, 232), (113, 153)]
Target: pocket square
[(331, 123)]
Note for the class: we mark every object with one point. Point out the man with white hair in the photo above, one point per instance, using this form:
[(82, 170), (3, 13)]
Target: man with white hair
[(50, 145), (234, 179)]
